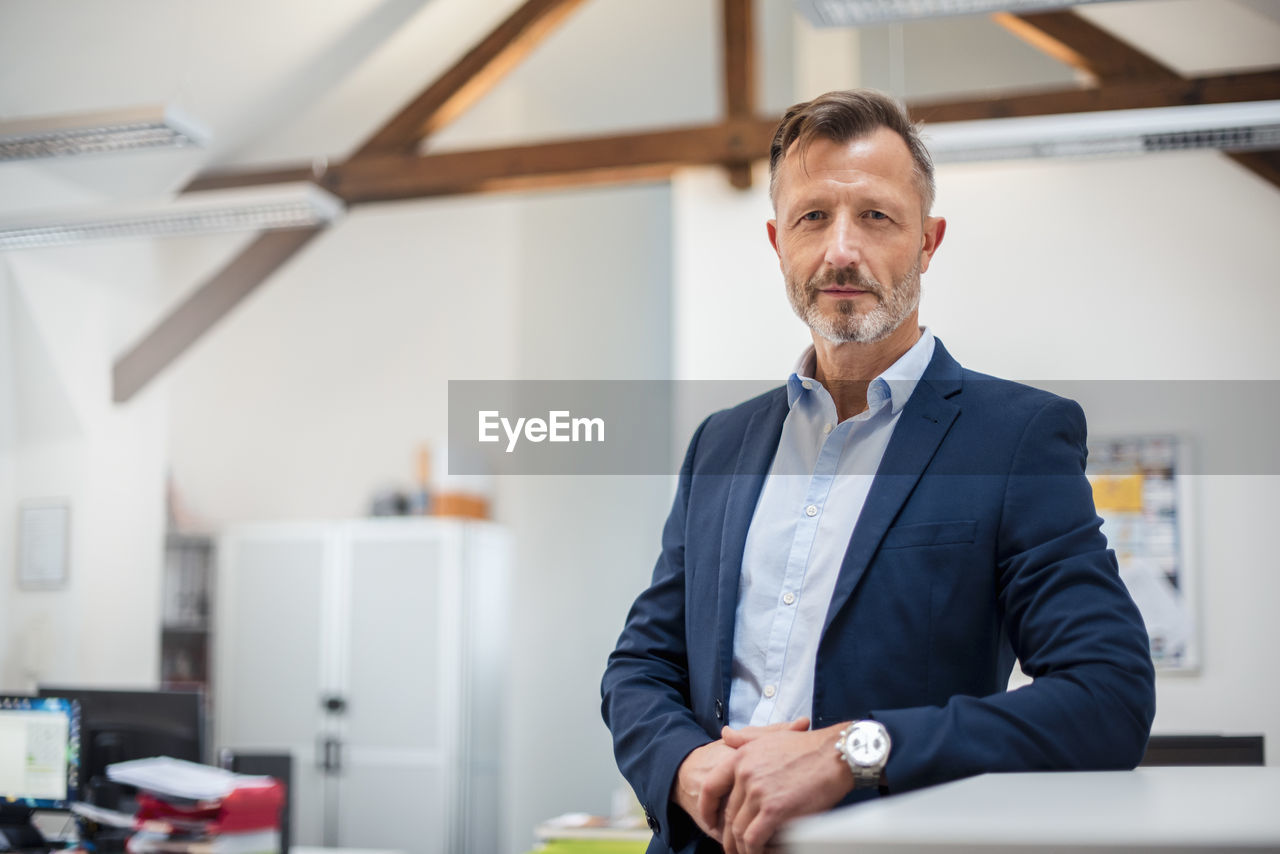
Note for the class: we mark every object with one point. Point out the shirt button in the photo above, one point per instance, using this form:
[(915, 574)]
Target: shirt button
[(789, 598), (807, 384), (769, 691), (811, 510), (826, 428)]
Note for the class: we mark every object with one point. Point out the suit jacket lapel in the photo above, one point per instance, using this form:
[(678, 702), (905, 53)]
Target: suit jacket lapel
[(760, 443), (921, 427)]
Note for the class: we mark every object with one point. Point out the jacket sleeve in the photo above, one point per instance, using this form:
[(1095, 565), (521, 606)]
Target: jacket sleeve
[(1071, 623), (645, 689)]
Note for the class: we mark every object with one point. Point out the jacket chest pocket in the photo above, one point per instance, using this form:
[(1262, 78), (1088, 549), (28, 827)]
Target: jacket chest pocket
[(930, 534)]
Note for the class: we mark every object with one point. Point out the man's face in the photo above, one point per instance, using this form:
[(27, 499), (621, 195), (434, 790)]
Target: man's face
[(851, 237)]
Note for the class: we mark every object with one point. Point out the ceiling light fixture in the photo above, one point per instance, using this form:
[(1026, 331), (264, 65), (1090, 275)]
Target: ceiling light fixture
[(858, 13), (1244, 126), (96, 133), (280, 206)]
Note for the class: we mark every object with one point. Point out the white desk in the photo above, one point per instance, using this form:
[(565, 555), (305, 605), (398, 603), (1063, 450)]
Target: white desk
[(1150, 809)]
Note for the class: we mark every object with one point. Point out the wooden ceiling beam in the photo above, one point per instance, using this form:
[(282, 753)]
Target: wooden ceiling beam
[(575, 161), (565, 163), (1075, 41), (737, 17), (254, 178), (1130, 95), (471, 77), (1070, 38)]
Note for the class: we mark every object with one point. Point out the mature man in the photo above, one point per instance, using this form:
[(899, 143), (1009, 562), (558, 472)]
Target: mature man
[(854, 560)]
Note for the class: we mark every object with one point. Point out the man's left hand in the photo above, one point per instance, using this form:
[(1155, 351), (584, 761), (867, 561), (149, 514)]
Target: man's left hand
[(777, 776)]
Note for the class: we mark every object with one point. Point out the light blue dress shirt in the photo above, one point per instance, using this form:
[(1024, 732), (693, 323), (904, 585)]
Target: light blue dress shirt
[(812, 497)]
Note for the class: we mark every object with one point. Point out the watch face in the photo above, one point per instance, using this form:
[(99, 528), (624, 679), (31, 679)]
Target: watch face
[(868, 744)]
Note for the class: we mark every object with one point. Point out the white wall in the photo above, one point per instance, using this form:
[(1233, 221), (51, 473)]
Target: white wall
[(1159, 267), (68, 314)]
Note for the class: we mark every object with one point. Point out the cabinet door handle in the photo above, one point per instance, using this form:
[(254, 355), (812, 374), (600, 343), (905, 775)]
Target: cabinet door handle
[(329, 754)]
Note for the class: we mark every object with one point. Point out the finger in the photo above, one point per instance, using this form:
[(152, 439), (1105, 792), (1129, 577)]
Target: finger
[(755, 838), (715, 786), (737, 737), (733, 815)]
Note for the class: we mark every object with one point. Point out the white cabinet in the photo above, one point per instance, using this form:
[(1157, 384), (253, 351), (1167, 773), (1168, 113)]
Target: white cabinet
[(373, 652)]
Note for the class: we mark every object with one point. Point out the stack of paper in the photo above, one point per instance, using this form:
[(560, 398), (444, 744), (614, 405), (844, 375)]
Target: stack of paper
[(187, 808)]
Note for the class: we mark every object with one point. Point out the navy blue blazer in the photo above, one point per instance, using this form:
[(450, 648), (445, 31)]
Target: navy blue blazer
[(978, 542)]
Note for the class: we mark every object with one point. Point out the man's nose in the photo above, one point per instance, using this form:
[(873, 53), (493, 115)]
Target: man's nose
[(843, 248)]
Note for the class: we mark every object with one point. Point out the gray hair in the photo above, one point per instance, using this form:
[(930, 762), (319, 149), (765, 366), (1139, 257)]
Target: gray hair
[(844, 116)]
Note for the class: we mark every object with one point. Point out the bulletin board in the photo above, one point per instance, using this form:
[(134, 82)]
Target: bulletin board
[(1146, 510)]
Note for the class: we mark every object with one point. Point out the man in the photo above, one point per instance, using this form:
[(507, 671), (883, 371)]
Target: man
[(854, 560)]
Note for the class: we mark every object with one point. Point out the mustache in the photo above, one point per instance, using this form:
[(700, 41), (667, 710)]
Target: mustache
[(847, 277)]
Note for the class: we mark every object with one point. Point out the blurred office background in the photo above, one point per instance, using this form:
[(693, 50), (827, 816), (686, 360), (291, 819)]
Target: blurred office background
[(317, 391)]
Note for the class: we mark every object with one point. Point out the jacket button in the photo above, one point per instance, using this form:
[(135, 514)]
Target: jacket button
[(719, 710), (651, 821)]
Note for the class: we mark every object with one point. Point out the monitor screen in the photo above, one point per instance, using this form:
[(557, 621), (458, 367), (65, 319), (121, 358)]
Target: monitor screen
[(39, 752), (118, 725)]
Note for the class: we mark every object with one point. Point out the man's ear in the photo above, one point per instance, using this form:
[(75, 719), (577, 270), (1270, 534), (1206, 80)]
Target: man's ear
[(772, 227), (934, 228)]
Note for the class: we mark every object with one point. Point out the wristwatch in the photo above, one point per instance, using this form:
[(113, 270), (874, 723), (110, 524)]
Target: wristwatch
[(864, 746)]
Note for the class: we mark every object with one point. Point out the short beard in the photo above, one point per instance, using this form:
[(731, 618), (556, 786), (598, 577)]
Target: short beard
[(848, 326)]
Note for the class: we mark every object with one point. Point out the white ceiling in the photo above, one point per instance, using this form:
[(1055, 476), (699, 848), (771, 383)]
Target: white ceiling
[(282, 81)]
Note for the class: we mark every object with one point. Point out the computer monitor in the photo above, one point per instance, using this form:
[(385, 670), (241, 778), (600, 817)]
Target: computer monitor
[(39, 763), (117, 725)]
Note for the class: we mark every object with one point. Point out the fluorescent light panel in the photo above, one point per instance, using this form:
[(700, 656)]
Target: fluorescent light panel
[(1246, 126), (96, 133), (858, 13), (281, 206)]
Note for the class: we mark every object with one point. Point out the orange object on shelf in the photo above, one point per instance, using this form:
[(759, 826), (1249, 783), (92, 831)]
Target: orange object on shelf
[(460, 504)]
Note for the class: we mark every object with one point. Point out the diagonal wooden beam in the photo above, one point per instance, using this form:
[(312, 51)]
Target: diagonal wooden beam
[(441, 102), (203, 308), (1074, 40), (739, 75), (471, 77)]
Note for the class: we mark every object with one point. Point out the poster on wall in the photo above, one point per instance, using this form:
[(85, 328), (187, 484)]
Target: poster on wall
[(42, 544), (1145, 509)]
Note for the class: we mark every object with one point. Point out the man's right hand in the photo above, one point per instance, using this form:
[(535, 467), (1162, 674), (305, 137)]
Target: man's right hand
[(689, 777), (693, 772)]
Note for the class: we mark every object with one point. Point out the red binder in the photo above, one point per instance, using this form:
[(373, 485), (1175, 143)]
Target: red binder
[(245, 808)]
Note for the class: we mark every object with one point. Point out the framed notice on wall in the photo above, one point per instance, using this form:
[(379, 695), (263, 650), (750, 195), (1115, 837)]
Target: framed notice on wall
[(1146, 512), (43, 528)]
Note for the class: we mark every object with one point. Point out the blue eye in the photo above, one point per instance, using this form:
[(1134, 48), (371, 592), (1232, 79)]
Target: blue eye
[(812, 216), (877, 215)]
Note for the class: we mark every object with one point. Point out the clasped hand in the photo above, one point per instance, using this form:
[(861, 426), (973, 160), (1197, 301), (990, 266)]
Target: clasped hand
[(743, 787)]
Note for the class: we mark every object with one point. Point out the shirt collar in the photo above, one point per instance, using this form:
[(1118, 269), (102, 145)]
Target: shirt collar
[(899, 379)]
